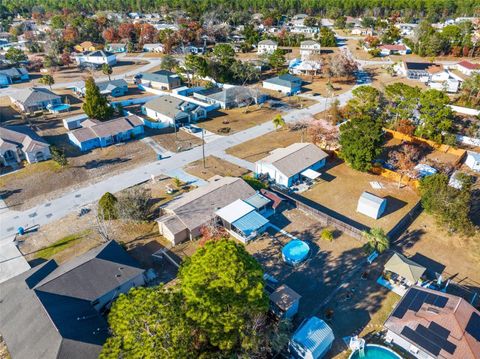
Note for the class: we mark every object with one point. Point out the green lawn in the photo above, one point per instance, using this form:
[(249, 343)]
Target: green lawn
[(60, 245)]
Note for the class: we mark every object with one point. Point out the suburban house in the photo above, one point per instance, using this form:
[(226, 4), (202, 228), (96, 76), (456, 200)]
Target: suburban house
[(312, 340), (114, 88), (431, 324), (400, 273), (386, 50), (87, 46), (287, 165), (161, 80), (231, 97), (13, 75), (34, 99), (415, 70), (73, 122), (56, 311), (284, 302), (266, 47), (302, 29), (169, 111), (473, 160), (18, 143), (96, 58), (309, 48), (184, 217), (93, 133), (467, 68), (440, 79), (158, 47), (371, 205), (116, 48), (287, 84), (242, 220)]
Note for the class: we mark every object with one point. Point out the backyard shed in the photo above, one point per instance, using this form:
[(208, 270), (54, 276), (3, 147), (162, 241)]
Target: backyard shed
[(371, 205), (284, 302), (312, 340), (405, 268), (473, 160)]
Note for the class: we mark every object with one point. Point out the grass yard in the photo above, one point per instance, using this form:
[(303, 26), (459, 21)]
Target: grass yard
[(340, 188), (318, 86), (37, 182), (60, 245), (381, 78), (237, 119), (171, 141), (214, 166), (455, 255), (260, 147)]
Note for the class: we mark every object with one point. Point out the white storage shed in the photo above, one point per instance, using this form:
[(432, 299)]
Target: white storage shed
[(371, 205)]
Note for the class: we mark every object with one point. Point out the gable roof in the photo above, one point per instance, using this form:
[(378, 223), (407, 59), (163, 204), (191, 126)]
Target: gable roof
[(34, 95), (295, 158), (197, 207), (99, 53), (47, 312), (393, 47), (315, 336), (14, 71), (162, 76), (95, 129), (308, 43), (286, 80), (469, 65), (167, 105), (267, 43), (444, 325), (371, 200), (28, 140), (228, 95)]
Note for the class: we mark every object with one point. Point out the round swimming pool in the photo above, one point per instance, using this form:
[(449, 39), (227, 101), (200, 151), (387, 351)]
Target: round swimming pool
[(373, 351), (295, 251)]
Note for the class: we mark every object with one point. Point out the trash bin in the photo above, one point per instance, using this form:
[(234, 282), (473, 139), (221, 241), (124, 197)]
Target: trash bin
[(21, 231), (159, 156)]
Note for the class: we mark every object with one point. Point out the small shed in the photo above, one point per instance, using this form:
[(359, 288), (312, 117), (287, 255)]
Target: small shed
[(312, 340), (74, 122), (473, 160), (371, 205), (405, 268), (284, 302)]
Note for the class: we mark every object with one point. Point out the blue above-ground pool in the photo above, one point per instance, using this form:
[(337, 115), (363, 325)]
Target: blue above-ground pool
[(295, 251), (372, 351), (59, 108)]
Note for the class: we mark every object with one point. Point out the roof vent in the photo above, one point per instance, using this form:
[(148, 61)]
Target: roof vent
[(433, 310)]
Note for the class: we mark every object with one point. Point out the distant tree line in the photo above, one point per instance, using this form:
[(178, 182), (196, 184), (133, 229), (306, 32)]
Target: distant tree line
[(433, 10)]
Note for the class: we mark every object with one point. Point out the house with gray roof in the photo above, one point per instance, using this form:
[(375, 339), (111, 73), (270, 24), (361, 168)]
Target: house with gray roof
[(287, 165), (231, 97), (114, 88), (96, 58), (287, 84), (56, 311), (13, 75), (34, 99), (94, 134), (19, 143), (160, 80), (168, 111), (266, 47), (184, 217)]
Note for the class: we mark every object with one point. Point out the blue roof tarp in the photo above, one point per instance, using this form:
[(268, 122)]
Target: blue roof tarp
[(249, 223)]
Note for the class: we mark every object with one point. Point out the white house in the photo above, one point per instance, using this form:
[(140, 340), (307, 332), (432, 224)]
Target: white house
[(287, 84), (467, 68), (473, 160), (158, 48), (312, 340), (18, 143), (168, 111), (266, 47), (371, 205), (287, 165), (96, 58), (302, 29), (309, 48), (400, 49)]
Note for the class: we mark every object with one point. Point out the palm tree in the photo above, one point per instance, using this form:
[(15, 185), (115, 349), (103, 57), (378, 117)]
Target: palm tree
[(278, 121), (107, 70), (376, 240)]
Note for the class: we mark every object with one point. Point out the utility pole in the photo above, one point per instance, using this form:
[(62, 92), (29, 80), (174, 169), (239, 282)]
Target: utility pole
[(203, 147)]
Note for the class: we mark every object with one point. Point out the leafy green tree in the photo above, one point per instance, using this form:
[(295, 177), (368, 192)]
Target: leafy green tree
[(58, 156), (15, 55), (310, 21), (107, 206), (254, 183), (224, 53), (96, 105), (471, 90), (169, 63), (450, 206), (47, 80), (361, 142), (278, 122), (277, 59), (327, 37), (436, 117), (223, 289), (377, 240), (366, 101), (107, 70), (403, 101), (196, 65), (149, 323), (57, 23)]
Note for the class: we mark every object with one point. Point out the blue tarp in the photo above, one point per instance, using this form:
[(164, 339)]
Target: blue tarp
[(249, 223)]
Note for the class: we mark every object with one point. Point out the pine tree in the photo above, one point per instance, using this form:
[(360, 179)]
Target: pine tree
[(96, 105)]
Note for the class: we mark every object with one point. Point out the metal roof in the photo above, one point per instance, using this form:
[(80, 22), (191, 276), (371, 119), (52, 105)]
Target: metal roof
[(234, 211), (371, 200), (250, 222), (258, 200), (314, 336)]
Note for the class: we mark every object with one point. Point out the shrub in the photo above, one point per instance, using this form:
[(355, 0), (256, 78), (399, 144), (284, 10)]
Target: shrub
[(107, 206), (327, 235), (58, 156), (254, 183)]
